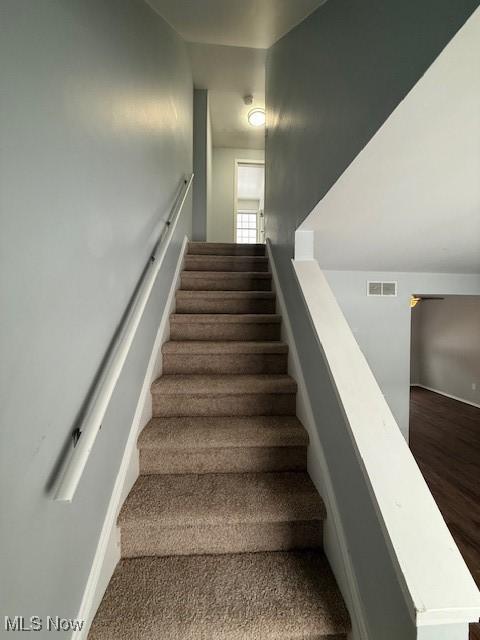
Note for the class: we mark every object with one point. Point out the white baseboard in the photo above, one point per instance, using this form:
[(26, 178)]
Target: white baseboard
[(107, 553), (335, 543), (447, 395)]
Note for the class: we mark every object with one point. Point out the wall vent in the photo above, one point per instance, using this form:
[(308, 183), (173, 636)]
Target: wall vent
[(376, 288)]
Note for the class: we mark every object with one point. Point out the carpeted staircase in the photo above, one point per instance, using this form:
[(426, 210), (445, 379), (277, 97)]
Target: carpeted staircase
[(222, 533)]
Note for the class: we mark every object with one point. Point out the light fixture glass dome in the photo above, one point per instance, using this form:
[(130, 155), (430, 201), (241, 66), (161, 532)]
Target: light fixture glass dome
[(256, 117)]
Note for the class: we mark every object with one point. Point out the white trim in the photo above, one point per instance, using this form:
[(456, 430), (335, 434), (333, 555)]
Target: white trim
[(107, 553), (447, 395), (438, 588), (335, 543), (304, 244)]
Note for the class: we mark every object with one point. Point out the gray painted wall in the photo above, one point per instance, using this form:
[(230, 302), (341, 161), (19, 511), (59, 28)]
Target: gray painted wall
[(331, 83), (209, 170), (446, 346), (202, 163), (96, 134)]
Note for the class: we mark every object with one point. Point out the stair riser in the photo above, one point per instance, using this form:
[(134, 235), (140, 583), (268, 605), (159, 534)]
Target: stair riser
[(205, 305), (236, 282), (225, 263), (226, 250), (238, 363), (227, 460), (265, 404), (224, 331), (151, 540)]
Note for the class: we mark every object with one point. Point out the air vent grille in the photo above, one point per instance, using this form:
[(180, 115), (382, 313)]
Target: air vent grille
[(377, 288)]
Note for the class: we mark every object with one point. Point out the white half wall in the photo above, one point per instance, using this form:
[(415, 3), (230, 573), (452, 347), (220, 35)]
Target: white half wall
[(220, 227), (439, 591), (410, 201)]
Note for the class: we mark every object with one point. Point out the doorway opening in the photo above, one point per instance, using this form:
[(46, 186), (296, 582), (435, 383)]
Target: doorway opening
[(249, 227), (445, 413)]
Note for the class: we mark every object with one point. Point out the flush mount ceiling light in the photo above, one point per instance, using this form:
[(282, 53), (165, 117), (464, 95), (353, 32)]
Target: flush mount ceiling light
[(256, 117)]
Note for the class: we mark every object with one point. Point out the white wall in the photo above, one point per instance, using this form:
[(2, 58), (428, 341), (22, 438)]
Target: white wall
[(382, 324), (413, 194), (220, 226), (446, 346)]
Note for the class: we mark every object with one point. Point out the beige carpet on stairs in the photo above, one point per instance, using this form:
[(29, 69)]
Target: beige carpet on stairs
[(213, 444), (222, 533)]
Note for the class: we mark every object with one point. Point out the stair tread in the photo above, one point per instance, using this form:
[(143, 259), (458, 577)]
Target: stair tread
[(221, 498), (222, 295), (225, 248), (199, 243), (200, 347), (225, 318), (244, 280), (221, 384), (226, 275), (178, 597), (236, 263), (222, 258), (223, 432)]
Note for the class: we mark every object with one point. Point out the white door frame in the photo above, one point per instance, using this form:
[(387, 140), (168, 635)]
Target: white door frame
[(237, 162)]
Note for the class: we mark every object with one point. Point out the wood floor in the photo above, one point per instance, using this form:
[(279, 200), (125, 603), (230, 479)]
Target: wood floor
[(445, 440)]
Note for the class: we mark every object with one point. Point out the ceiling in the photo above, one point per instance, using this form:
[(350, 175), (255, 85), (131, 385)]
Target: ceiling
[(229, 116), (230, 73), (222, 68), (240, 23), (227, 42)]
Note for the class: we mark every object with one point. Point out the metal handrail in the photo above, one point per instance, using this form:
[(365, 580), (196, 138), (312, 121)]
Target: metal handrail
[(85, 435)]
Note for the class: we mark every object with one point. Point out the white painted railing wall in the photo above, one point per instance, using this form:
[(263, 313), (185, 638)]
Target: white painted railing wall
[(440, 593)]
